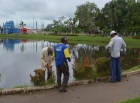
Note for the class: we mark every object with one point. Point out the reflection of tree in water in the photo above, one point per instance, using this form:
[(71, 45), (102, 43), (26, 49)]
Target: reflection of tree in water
[(79, 52), (130, 58), (22, 47)]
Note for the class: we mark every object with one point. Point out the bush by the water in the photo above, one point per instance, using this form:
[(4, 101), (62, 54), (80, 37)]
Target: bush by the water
[(102, 66), (83, 70), (39, 78)]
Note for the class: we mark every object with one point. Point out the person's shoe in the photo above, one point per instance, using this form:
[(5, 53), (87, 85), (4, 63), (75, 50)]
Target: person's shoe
[(58, 86), (112, 81), (62, 90), (118, 80)]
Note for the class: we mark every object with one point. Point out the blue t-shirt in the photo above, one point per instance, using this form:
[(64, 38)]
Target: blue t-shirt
[(60, 53)]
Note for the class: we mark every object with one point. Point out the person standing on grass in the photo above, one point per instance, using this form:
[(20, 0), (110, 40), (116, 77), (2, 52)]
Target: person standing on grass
[(114, 46), (47, 60), (61, 55)]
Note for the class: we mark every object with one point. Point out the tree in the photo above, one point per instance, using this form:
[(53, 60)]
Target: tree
[(131, 1), (86, 14), (113, 15), (55, 26), (22, 24), (133, 18), (70, 24), (58, 24)]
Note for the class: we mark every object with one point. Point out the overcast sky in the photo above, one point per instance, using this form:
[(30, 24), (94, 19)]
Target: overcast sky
[(43, 11)]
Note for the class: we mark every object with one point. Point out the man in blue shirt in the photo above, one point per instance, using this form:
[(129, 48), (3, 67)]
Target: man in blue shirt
[(61, 55)]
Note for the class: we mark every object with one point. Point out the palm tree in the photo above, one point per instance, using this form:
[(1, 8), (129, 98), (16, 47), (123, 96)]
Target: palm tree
[(22, 24)]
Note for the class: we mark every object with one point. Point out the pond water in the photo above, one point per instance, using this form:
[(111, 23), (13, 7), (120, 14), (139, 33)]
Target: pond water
[(19, 58)]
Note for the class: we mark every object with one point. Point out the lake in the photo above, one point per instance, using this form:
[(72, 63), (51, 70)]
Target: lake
[(19, 58)]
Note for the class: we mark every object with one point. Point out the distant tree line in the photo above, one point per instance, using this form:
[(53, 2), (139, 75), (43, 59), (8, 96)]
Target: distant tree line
[(120, 15)]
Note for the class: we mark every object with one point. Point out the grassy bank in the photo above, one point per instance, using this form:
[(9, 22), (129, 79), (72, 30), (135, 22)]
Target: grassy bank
[(133, 100), (133, 69), (90, 40)]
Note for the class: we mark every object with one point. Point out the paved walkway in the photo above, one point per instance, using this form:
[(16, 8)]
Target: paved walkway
[(90, 93)]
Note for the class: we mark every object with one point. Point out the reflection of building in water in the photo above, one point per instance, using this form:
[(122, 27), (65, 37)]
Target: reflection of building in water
[(9, 44), (1, 41)]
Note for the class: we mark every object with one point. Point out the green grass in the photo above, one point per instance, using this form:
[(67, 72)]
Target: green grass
[(50, 82), (24, 86), (81, 39), (1, 88), (133, 69), (132, 100)]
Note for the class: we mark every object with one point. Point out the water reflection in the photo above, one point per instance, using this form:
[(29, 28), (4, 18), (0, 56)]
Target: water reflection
[(9, 44), (19, 58)]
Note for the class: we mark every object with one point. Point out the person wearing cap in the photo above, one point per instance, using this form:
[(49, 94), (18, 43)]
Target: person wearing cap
[(61, 55), (115, 46), (47, 60)]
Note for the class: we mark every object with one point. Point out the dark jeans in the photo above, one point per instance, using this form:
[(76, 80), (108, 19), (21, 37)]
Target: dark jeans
[(115, 69), (63, 69)]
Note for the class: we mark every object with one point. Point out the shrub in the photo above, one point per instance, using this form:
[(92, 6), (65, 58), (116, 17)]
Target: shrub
[(51, 80), (139, 58), (83, 70), (136, 37), (102, 66), (39, 78)]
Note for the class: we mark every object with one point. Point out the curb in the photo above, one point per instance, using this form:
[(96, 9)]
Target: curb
[(47, 87)]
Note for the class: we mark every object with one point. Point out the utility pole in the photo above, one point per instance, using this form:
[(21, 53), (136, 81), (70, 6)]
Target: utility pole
[(33, 21), (3, 27), (6, 28), (36, 25)]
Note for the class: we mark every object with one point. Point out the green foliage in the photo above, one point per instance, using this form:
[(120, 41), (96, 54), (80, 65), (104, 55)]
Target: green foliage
[(136, 37), (51, 80), (83, 70), (102, 66), (132, 100), (21, 86), (81, 39), (39, 78), (86, 14), (22, 24), (133, 17), (139, 58), (133, 69)]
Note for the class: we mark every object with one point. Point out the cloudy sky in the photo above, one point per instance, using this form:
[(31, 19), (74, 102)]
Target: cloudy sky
[(43, 11)]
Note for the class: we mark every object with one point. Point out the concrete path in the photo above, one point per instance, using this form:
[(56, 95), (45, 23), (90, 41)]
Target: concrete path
[(90, 93)]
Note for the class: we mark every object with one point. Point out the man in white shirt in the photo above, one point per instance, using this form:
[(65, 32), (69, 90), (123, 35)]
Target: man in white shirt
[(47, 60), (114, 46)]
